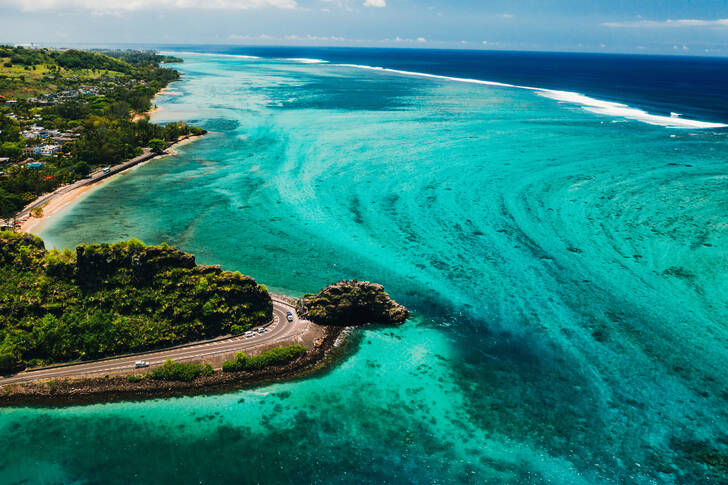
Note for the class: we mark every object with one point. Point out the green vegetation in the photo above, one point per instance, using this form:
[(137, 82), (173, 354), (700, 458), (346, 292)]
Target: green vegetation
[(102, 300), (139, 58), (178, 371), (157, 145), (351, 303), (85, 103), (276, 356)]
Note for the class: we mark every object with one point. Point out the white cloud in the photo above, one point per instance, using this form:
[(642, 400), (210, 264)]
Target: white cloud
[(668, 23), (375, 3), (342, 4), (115, 6), (249, 37)]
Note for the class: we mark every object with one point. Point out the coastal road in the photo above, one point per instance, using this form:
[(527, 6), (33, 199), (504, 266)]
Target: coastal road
[(279, 329), (92, 179), (95, 177)]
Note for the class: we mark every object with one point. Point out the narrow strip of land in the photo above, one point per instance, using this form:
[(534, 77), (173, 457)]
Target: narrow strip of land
[(94, 178), (280, 329)]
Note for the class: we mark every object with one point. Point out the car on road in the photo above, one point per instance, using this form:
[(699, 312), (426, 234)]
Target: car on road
[(107, 169), (289, 316), (261, 330), (249, 334), (141, 363)]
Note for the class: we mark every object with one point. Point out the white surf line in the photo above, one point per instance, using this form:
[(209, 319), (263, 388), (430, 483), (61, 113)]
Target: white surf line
[(208, 54), (592, 105), (305, 60)]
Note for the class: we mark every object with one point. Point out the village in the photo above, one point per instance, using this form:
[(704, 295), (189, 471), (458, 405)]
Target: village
[(66, 114)]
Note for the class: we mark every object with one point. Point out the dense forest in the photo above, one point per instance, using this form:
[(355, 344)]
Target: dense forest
[(105, 299), (90, 98)]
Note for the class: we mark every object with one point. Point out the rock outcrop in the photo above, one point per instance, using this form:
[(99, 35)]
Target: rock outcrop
[(351, 303)]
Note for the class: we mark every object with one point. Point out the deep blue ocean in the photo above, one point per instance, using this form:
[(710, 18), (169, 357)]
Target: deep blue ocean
[(561, 239), (696, 87)]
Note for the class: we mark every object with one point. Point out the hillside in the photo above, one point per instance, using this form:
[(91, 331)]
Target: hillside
[(105, 299), (64, 114)]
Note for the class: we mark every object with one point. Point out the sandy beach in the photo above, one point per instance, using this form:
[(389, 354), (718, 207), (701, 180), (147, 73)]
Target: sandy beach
[(155, 108), (56, 203)]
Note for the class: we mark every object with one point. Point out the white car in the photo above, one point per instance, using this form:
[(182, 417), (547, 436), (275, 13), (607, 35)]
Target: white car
[(249, 334), (141, 363), (261, 330), (107, 169)]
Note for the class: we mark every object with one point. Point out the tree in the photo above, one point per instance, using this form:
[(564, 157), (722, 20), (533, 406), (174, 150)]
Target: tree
[(157, 145), (11, 150)]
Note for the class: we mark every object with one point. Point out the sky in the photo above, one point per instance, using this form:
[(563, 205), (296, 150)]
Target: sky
[(680, 27)]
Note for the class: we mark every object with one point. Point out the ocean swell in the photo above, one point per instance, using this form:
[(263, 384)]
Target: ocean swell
[(306, 60), (592, 105)]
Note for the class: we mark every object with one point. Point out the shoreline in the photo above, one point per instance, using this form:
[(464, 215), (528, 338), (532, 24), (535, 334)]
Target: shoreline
[(155, 108), (58, 393), (52, 204)]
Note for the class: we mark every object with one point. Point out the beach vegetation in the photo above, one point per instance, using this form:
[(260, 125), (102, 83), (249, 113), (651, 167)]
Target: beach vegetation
[(275, 356), (180, 371), (157, 145)]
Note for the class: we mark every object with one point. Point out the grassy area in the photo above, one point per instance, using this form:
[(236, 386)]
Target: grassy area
[(19, 81), (276, 356), (179, 371)]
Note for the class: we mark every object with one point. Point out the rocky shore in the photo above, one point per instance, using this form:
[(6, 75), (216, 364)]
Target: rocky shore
[(335, 309), (351, 302), (77, 391)]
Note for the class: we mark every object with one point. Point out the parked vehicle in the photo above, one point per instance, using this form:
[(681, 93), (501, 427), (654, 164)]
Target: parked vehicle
[(141, 363), (261, 330), (107, 169), (249, 334)]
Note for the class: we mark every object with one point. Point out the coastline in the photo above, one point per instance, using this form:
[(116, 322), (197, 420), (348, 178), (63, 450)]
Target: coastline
[(105, 389), (63, 196), (54, 205), (148, 114)]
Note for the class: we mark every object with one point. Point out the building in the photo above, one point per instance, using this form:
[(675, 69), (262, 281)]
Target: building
[(49, 150)]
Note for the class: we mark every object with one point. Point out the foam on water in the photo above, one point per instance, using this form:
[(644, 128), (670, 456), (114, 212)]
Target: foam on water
[(208, 54), (592, 105), (567, 276), (307, 61)]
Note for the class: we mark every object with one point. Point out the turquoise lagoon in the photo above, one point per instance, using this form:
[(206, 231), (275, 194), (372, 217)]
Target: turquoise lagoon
[(566, 269)]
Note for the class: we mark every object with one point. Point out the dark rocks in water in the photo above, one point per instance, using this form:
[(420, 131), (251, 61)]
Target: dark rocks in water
[(351, 303)]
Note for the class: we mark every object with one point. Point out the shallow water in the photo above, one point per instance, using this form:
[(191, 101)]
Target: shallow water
[(567, 271)]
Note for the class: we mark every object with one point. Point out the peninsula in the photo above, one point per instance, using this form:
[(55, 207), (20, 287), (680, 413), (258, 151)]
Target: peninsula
[(85, 326)]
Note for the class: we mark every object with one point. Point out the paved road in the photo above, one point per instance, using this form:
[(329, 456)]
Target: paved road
[(92, 179), (279, 329)]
